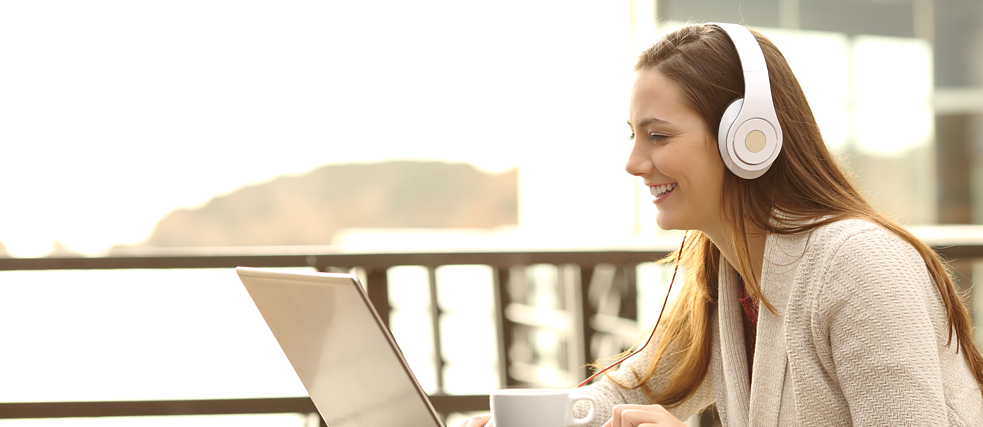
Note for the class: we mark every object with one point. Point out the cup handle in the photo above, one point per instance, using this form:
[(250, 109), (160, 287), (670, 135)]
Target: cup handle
[(578, 395)]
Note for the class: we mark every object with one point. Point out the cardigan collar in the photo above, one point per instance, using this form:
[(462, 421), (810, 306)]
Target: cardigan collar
[(758, 403)]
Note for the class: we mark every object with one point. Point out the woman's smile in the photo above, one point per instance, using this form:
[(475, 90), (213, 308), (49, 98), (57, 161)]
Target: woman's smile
[(661, 191)]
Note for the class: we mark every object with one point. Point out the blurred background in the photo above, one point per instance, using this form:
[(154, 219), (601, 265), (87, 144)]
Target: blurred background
[(184, 130)]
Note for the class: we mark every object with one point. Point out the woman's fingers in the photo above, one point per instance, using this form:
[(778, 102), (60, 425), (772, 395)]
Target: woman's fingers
[(618, 415), (478, 421), (642, 415), (638, 418)]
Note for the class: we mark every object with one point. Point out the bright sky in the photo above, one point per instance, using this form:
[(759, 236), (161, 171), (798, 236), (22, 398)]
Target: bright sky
[(113, 113)]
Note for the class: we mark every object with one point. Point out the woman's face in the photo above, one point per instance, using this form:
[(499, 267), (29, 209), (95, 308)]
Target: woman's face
[(676, 156)]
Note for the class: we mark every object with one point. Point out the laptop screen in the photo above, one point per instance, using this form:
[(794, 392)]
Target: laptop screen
[(342, 352)]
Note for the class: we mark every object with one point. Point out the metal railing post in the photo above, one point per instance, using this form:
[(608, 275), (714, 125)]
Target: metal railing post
[(377, 287), (435, 313), (505, 327)]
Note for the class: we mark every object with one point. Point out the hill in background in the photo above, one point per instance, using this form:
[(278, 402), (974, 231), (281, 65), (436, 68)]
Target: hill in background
[(309, 209)]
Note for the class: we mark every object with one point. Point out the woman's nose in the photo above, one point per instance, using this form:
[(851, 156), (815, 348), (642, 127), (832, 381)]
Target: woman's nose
[(638, 163)]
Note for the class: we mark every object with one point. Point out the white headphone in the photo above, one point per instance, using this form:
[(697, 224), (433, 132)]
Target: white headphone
[(750, 136)]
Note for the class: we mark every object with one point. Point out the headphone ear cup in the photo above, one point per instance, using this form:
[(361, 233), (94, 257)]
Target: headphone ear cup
[(725, 145), (750, 136)]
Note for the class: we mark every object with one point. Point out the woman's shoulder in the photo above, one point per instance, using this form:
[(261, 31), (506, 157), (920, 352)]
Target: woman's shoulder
[(858, 238), (841, 245), (857, 264), (862, 253), (844, 228)]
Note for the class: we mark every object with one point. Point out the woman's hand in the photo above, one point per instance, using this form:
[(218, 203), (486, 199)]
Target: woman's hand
[(478, 421), (642, 415)]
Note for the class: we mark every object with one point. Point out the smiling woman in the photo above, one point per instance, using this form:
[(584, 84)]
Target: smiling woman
[(801, 304), (835, 280)]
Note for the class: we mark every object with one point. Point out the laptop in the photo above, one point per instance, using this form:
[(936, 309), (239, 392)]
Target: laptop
[(343, 353)]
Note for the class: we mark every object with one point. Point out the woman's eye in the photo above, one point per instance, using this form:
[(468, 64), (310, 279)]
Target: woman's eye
[(657, 137), (654, 137)]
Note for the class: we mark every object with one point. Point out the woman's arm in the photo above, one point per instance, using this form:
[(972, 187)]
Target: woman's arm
[(608, 394)]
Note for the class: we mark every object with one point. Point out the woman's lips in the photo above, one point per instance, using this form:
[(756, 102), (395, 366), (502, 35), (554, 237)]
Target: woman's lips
[(660, 191)]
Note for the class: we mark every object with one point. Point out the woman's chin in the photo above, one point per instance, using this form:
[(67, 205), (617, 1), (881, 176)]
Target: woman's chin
[(665, 223)]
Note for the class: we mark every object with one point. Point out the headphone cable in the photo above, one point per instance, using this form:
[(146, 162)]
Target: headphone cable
[(657, 320)]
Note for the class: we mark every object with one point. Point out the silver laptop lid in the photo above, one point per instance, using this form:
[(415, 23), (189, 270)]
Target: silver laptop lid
[(343, 353)]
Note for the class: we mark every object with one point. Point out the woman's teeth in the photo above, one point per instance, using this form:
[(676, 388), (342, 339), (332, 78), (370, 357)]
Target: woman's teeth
[(659, 190)]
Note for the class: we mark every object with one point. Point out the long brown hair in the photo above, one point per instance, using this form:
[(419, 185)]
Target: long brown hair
[(804, 189)]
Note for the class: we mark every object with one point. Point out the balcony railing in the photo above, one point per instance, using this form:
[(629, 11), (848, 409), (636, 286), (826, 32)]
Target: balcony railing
[(597, 291)]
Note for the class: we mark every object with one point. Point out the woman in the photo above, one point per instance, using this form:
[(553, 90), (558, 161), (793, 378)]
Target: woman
[(801, 304)]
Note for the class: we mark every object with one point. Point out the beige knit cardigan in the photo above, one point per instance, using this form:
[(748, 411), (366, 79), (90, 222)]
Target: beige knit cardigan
[(859, 338)]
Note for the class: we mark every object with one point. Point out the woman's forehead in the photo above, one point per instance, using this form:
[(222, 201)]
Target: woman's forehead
[(655, 96)]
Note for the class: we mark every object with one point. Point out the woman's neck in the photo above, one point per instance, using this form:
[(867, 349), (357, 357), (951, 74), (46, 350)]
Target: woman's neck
[(756, 238)]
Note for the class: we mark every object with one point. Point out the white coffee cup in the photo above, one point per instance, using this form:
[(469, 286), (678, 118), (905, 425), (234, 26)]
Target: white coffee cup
[(528, 407)]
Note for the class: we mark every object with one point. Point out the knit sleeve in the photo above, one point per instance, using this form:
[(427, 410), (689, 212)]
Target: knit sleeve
[(876, 327), (608, 394)]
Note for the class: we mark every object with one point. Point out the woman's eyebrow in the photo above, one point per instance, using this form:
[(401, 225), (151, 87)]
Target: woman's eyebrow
[(647, 122)]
